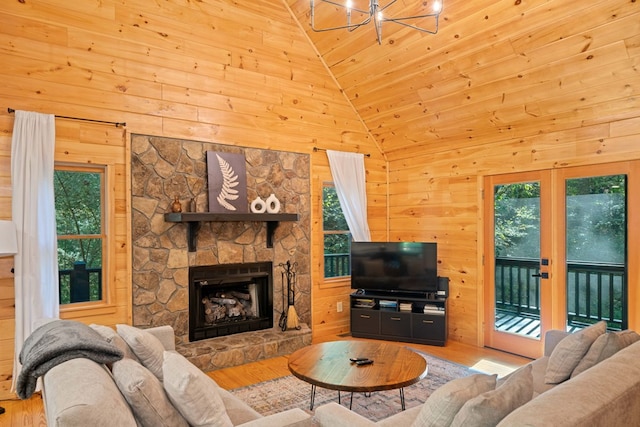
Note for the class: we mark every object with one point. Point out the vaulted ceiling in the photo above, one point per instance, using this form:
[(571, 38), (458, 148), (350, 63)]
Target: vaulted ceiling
[(496, 70)]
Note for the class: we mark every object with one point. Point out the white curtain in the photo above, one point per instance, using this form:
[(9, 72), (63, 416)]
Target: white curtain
[(348, 174), (36, 264)]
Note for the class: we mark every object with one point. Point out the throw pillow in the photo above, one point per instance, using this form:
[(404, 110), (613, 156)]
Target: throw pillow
[(606, 345), (112, 337), (144, 393), (569, 352), (445, 402), (627, 337), (193, 393), (490, 407), (146, 347)]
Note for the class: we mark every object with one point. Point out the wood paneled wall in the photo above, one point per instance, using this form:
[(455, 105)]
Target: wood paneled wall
[(536, 85), (238, 73), (438, 197), (504, 86)]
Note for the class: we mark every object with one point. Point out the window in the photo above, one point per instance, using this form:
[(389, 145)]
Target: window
[(79, 201), (337, 238)]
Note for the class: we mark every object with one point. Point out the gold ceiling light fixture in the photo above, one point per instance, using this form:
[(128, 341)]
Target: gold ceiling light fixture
[(377, 14)]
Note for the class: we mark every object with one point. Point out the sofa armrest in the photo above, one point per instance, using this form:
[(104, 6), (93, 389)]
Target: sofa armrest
[(334, 415), (165, 335), (551, 339), (295, 417)]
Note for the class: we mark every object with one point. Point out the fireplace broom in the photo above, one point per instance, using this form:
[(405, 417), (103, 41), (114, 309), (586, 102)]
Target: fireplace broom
[(293, 322), (290, 320), (282, 323)]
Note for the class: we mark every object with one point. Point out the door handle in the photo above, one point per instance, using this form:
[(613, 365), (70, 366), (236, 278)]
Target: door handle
[(541, 275)]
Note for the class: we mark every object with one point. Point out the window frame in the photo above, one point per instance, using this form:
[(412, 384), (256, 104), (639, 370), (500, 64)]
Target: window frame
[(336, 279), (105, 304)]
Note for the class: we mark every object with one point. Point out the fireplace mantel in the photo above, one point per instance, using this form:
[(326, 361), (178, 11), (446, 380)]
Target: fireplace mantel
[(194, 220)]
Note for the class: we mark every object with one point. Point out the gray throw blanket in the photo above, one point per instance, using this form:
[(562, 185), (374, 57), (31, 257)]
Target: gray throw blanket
[(56, 342)]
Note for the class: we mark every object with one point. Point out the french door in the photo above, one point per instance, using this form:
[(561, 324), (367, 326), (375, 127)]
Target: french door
[(556, 252)]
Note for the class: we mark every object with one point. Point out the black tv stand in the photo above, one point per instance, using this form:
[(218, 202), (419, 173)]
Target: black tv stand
[(396, 294), (417, 317)]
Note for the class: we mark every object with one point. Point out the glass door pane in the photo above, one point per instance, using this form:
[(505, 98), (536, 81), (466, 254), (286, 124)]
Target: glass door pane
[(596, 248), (517, 258)]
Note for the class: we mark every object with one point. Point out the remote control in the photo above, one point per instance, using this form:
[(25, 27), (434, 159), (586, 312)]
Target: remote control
[(364, 362), (358, 359)]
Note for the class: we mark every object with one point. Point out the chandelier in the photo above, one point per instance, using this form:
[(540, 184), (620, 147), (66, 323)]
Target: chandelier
[(376, 14)]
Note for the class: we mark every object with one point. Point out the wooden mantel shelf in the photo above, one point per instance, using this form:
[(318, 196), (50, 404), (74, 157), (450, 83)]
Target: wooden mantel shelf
[(194, 220)]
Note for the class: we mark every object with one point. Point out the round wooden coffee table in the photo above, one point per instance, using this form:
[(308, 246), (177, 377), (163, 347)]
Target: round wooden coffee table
[(327, 365)]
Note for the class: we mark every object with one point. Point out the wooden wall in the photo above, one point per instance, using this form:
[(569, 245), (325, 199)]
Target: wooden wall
[(557, 86), (239, 73), (504, 86)]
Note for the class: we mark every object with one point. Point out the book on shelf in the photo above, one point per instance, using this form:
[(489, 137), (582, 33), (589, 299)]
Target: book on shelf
[(433, 309), (406, 306), (364, 303), (383, 303)]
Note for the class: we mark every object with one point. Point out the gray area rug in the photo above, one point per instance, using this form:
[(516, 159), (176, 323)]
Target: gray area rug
[(290, 392)]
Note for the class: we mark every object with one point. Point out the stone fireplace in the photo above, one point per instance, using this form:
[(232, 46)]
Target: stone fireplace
[(229, 299), (164, 267)]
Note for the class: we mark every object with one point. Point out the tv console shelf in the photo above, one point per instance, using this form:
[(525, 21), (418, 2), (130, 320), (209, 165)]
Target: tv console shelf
[(399, 316)]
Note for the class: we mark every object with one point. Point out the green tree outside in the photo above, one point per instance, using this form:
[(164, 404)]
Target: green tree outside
[(78, 202), (337, 238)]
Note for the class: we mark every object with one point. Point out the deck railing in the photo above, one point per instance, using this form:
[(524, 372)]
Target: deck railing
[(80, 284), (597, 292), (594, 291), (337, 265), (517, 290)]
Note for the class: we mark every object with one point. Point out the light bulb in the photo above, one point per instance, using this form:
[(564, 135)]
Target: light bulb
[(437, 6)]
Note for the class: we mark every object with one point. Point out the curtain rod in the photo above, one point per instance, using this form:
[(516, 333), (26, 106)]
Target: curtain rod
[(117, 124), (324, 149)]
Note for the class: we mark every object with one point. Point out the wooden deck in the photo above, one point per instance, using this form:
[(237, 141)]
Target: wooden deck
[(526, 325)]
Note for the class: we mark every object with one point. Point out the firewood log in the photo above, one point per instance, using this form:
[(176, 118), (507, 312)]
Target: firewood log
[(225, 301), (219, 312), (239, 295)]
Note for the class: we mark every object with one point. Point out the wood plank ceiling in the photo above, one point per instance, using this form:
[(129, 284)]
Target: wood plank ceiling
[(496, 70)]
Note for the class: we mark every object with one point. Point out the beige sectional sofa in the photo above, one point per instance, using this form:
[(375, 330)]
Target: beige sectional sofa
[(81, 392), (591, 378)]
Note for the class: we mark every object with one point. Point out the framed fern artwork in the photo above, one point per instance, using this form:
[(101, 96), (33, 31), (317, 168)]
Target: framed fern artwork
[(227, 179)]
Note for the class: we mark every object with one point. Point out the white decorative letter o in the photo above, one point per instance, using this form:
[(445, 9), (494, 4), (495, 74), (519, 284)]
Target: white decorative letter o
[(258, 206), (273, 204)]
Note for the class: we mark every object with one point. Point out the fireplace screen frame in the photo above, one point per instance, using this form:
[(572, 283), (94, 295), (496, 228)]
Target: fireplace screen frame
[(227, 277)]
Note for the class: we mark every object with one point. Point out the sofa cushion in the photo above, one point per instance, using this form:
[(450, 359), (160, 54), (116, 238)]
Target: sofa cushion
[(112, 337), (627, 337), (570, 351), (444, 403), (81, 392), (490, 407), (193, 393), (146, 347), (605, 346), (145, 395)]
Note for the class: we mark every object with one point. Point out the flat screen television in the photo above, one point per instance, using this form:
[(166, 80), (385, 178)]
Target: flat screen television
[(394, 266)]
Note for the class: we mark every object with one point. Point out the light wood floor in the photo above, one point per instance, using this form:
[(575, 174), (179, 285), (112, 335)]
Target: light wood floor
[(30, 413)]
